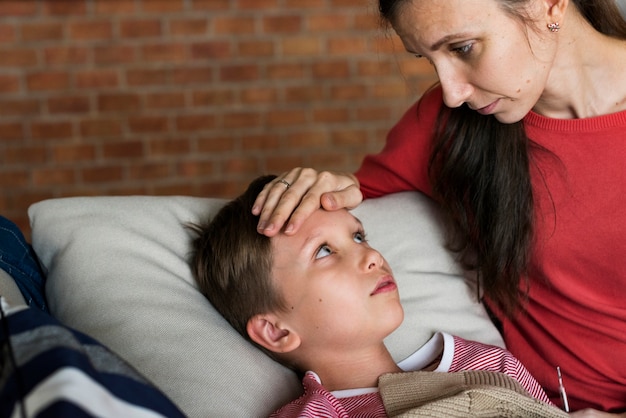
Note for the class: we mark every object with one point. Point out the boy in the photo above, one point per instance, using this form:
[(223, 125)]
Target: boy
[(321, 302)]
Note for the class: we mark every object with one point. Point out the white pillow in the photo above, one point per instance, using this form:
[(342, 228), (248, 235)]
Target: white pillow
[(117, 270)]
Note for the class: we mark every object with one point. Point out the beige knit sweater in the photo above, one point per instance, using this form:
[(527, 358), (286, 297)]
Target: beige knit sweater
[(475, 393)]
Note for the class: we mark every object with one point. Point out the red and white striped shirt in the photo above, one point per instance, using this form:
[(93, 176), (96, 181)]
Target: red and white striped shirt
[(457, 355)]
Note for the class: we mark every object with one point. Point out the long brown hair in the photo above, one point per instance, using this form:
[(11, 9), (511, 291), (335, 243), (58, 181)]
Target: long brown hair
[(480, 171)]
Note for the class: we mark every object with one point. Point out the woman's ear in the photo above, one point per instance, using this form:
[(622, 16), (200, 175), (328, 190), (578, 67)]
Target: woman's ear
[(556, 11), (267, 331)]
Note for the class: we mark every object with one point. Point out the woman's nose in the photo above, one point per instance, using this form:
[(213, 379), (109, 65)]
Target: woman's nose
[(456, 90), (373, 259)]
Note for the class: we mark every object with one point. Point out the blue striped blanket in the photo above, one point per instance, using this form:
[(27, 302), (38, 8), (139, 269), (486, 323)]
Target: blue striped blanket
[(49, 370)]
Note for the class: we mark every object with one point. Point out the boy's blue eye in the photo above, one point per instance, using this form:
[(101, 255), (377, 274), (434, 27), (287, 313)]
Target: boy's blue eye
[(323, 251)]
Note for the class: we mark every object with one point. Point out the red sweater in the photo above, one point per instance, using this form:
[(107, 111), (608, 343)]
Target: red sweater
[(576, 315)]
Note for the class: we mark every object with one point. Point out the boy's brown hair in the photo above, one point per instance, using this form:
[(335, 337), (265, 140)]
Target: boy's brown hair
[(232, 262)]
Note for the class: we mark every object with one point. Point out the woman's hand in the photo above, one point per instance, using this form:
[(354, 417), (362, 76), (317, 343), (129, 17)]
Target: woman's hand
[(295, 195)]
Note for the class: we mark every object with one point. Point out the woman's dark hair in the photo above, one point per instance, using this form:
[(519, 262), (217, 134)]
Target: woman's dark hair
[(480, 172)]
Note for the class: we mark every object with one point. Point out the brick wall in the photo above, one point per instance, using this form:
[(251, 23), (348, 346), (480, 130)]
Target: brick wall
[(192, 97)]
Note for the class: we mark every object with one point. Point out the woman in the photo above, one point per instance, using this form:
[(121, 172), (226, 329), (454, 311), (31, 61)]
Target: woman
[(523, 143)]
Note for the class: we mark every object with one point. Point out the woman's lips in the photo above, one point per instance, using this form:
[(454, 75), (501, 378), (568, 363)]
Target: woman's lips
[(385, 284), (487, 109)]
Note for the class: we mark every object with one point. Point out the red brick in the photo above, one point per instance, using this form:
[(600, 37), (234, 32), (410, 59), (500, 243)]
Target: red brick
[(195, 122), (7, 33), (164, 100), (242, 165), (211, 50), (66, 7), (233, 25), (14, 178), (91, 30), (20, 107), (186, 76), (279, 163), (69, 104), (257, 4), (162, 6), (150, 171), (49, 81), (305, 94), (255, 49), (260, 142), (347, 45), (282, 24), (285, 70), (186, 27), (118, 102), (307, 139), (9, 83), (259, 95), (51, 130), (169, 147), (108, 7), (23, 155), (331, 69), (65, 55), (349, 137), (96, 79), (143, 124), (213, 98), (47, 31), (328, 115), (53, 176), (215, 144), (349, 92), (100, 128), (381, 113), (146, 77), (18, 8), (242, 119), (327, 22), (124, 149), (195, 169), (309, 4), (11, 130), (212, 5), (301, 46), (18, 58), (138, 28), (286, 117), (102, 174), (164, 52), (241, 72), (115, 54), (73, 153)]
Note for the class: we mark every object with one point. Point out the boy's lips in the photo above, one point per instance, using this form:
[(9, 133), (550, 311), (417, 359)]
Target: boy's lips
[(384, 284)]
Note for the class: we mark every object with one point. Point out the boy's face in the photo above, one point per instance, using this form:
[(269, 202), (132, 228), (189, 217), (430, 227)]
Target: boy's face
[(339, 291)]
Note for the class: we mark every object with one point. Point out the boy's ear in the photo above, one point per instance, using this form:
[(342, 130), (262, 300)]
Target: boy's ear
[(267, 331)]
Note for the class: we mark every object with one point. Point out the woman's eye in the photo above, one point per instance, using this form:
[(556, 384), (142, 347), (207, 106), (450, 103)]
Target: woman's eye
[(464, 49), (359, 237), (323, 251)]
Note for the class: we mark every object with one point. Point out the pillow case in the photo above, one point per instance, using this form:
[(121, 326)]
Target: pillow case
[(118, 271)]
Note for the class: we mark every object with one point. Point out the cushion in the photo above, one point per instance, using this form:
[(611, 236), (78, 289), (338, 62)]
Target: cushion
[(118, 271)]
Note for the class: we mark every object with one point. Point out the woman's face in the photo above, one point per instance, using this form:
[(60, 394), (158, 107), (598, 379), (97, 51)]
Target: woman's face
[(483, 56)]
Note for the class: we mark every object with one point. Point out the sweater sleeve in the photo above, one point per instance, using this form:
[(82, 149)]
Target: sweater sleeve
[(472, 355), (403, 163)]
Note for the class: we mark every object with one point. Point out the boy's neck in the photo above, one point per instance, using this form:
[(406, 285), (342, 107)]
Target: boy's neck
[(354, 370)]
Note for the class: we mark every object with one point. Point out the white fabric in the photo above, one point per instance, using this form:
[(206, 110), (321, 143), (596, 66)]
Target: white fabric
[(117, 270)]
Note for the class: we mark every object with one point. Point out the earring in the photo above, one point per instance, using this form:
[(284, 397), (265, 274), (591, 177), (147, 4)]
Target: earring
[(554, 27)]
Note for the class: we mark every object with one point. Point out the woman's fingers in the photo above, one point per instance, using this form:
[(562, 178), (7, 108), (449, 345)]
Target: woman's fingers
[(295, 195)]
